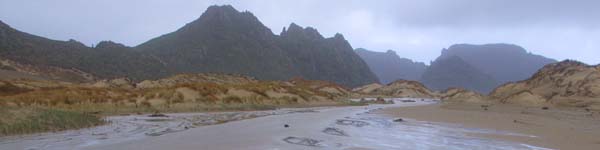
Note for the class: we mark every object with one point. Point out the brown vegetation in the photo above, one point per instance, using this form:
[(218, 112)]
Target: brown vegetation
[(180, 93), (399, 88)]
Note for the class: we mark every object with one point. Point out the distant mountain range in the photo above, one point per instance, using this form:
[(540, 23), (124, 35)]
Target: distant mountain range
[(389, 67), (484, 66), (222, 40), (474, 67), (452, 72), (504, 62)]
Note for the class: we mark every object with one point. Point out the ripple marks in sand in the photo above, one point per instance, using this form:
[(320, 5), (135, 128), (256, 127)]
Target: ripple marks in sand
[(355, 123), (303, 141)]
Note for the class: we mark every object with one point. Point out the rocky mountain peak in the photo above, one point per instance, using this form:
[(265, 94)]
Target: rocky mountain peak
[(226, 18), (109, 45), (222, 12), (75, 43), (391, 52), (296, 31), (339, 36)]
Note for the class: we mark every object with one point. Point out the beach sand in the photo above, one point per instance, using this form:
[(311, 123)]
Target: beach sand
[(343, 128), (552, 128)]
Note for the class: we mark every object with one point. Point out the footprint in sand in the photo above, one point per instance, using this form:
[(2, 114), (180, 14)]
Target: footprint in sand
[(303, 141), (355, 123), (335, 131)]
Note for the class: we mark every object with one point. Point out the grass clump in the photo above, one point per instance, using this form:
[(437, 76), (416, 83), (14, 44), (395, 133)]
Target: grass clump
[(34, 120)]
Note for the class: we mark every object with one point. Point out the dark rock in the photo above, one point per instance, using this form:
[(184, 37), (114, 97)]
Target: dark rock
[(157, 115), (408, 101)]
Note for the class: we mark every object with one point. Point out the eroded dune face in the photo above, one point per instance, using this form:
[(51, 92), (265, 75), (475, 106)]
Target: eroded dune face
[(462, 95), (567, 83), (367, 88), (398, 88)]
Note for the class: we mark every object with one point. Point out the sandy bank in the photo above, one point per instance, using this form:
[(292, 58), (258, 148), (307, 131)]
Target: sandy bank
[(552, 128)]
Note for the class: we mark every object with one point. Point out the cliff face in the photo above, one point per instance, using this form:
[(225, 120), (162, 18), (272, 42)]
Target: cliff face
[(389, 67), (567, 83)]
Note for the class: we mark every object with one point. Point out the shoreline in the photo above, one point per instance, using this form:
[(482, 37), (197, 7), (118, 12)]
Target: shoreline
[(344, 128), (553, 128)]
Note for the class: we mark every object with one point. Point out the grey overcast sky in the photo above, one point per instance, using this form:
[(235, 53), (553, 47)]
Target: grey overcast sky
[(415, 29)]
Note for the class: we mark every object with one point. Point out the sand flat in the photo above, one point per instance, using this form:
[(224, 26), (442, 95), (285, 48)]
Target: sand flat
[(553, 128), (342, 128)]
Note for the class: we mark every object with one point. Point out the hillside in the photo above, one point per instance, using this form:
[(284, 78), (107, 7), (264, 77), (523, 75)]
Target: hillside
[(26, 52), (221, 40), (450, 72), (224, 40), (567, 83), (389, 67)]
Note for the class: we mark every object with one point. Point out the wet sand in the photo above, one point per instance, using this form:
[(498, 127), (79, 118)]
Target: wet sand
[(553, 128), (344, 128)]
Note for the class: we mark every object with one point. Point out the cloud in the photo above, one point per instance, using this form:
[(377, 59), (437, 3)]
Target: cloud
[(416, 29)]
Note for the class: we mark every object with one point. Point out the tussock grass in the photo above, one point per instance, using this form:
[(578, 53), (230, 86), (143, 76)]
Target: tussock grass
[(34, 120), (42, 107)]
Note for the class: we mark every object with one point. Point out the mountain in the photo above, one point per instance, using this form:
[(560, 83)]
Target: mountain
[(444, 73), (389, 67), (504, 62), (567, 83), (329, 59), (107, 60), (224, 40)]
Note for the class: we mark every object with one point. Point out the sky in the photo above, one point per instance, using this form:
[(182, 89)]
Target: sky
[(415, 29)]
